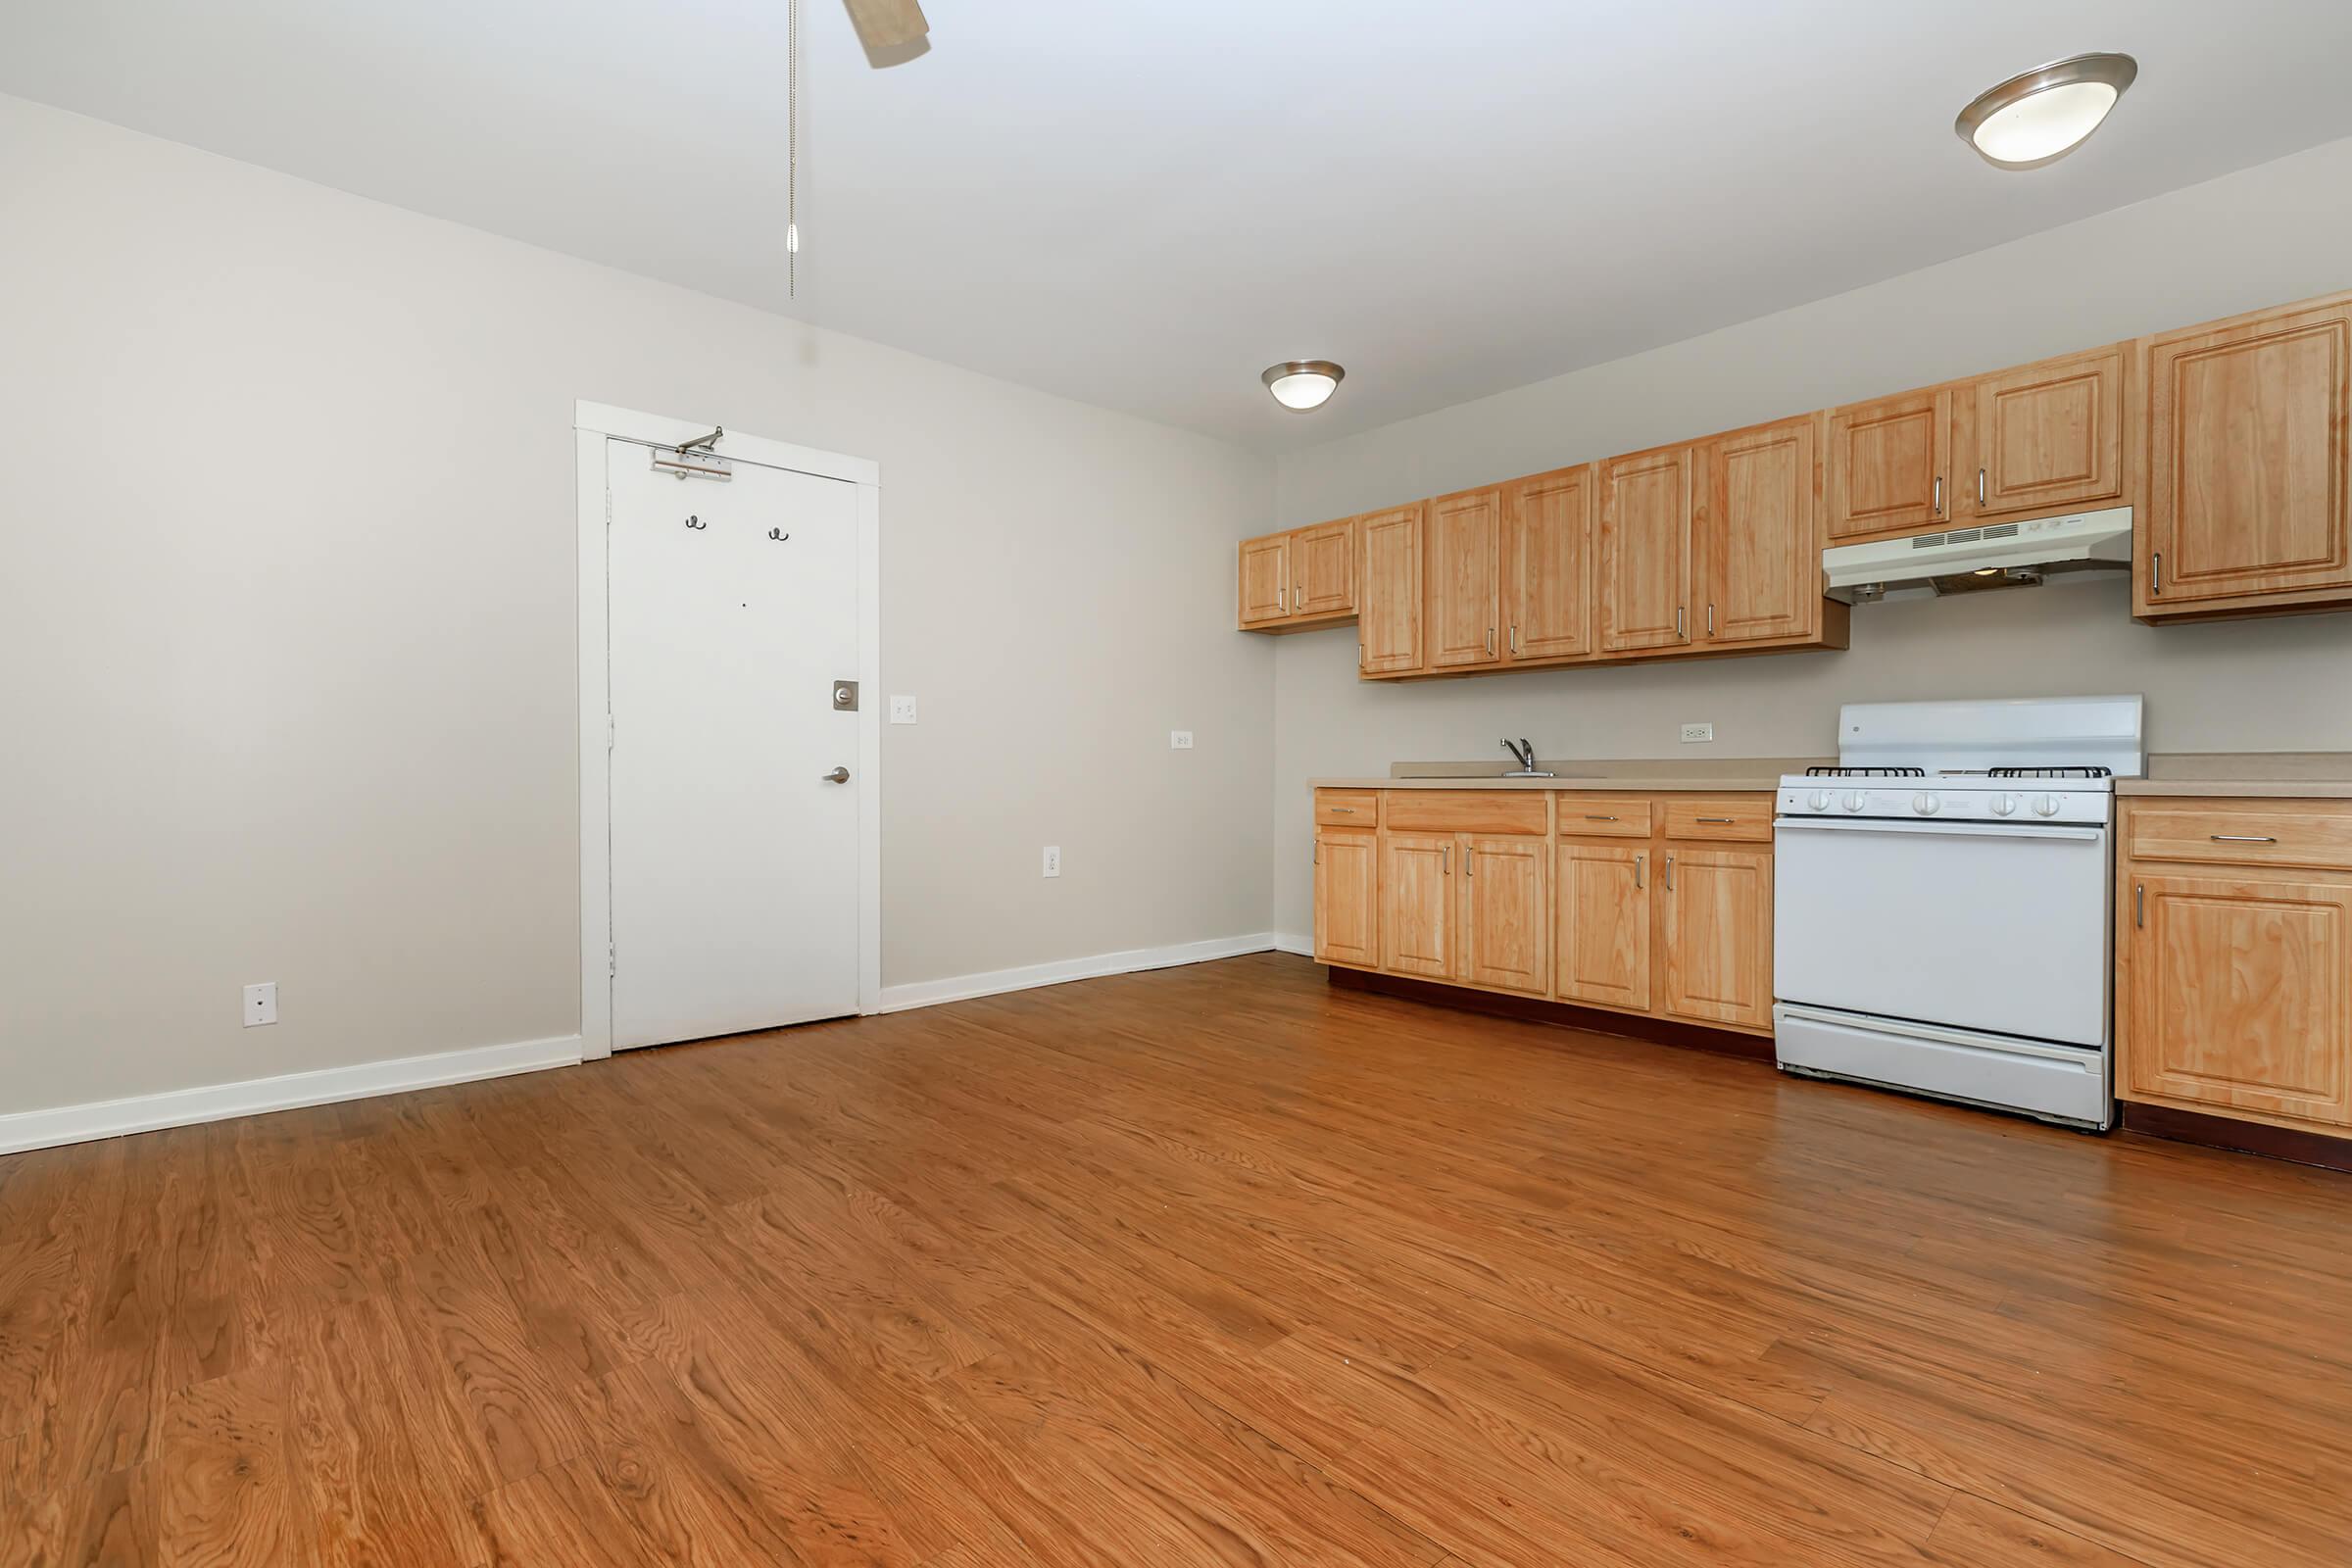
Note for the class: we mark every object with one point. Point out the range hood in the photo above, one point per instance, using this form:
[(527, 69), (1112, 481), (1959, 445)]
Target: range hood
[(1994, 555)]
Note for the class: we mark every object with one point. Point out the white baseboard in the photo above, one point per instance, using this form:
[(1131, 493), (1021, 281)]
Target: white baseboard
[(1292, 942), (141, 1113), (961, 987)]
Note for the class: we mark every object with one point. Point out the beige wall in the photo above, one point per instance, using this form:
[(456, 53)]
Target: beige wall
[(2263, 236), (286, 625)]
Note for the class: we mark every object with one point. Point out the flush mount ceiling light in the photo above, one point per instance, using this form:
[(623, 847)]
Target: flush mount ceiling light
[(1302, 384), (2041, 115)]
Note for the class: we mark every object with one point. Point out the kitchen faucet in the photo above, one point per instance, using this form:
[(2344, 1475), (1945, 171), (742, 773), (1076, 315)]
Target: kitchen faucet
[(1523, 753)]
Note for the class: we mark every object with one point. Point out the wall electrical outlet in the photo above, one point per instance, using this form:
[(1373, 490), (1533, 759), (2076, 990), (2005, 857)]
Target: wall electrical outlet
[(1179, 740), (901, 710), (1692, 734), (260, 1003), (1052, 860)]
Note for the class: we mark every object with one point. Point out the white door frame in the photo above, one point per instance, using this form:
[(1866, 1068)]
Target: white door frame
[(594, 424)]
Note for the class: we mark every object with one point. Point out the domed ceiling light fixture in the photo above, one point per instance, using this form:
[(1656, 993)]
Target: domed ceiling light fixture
[(2037, 119), (1302, 384)]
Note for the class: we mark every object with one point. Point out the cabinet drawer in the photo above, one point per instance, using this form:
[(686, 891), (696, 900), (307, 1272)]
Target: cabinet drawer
[(2310, 833), (1730, 819), (1604, 817), (1348, 809), (1468, 810)]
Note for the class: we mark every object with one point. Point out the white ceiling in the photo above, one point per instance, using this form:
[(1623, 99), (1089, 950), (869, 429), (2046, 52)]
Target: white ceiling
[(1142, 206)]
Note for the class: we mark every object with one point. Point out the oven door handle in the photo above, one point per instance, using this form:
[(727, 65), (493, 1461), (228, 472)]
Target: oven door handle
[(1955, 830)]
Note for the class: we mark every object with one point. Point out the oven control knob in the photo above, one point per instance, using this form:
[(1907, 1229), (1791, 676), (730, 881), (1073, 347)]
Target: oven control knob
[(1926, 805), (1819, 801), (1854, 801), (2045, 805), (2003, 805)]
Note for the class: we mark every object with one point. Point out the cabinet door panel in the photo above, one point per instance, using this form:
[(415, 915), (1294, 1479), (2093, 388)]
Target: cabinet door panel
[(1888, 464), (1323, 569), (1465, 602), (1417, 906), (1759, 557), (1547, 565), (2237, 995), (2249, 460), (1646, 550), (1602, 910), (2043, 438), (1265, 579), (1716, 930), (1506, 915), (1388, 600), (1348, 899)]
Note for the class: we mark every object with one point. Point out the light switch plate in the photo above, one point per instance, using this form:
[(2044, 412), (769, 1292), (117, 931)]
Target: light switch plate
[(260, 1003), (901, 710), (1692, 734), (1179, 740)]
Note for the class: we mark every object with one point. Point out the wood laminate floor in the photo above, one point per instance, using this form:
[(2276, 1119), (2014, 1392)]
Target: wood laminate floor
[(1214, 1265)]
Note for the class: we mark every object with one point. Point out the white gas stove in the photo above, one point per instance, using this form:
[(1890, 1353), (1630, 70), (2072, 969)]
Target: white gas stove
[(1942, 901)]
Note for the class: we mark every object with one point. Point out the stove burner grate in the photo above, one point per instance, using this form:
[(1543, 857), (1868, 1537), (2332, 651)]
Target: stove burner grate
[(2070, 771), (1865, 772)]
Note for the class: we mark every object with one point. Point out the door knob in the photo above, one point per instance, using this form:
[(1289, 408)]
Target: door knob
[(840, 775)]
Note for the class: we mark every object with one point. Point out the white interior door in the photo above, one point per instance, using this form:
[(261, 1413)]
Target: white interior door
[(733, 612)]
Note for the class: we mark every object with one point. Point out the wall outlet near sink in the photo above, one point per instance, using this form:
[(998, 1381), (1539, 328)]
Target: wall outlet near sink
[(1692, 734)]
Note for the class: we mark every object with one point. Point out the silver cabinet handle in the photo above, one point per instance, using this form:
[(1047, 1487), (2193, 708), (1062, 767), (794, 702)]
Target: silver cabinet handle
[(1319, 861), (1710, 621), (840, 775), (1678, 623), (1639, 880), (1726, 820), (2241, 838), (1448, 854), (2155, 573), (1341, 811), (1514, 642), (2139, 904), (1979, 487), (1670, 873), (1490, 642), (1469, 862), (1592, 817), (1939, 495)]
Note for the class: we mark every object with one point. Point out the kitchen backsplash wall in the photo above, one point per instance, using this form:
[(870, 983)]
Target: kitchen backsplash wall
[(2261, 236)]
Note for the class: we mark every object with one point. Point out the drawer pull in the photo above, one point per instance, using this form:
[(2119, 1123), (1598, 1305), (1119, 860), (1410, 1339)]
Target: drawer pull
[(2241, 838), (1725, 821), (1592, 816), (1341, 811)]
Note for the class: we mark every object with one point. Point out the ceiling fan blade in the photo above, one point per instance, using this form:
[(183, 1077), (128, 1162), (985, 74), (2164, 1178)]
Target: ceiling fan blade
[(884, 26)]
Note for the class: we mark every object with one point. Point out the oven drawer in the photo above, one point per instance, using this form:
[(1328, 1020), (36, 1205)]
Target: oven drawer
[(2242, 832), (1981, 926)]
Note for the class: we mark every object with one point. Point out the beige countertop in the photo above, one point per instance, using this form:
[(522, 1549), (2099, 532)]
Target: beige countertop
[(2307, 776), (1653, 773)]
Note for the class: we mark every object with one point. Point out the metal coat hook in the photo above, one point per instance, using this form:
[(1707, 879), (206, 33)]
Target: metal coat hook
[(696, 522), (778, 535)]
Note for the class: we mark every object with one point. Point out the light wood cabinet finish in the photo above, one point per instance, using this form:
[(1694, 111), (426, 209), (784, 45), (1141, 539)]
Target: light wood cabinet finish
[(1323, 569), (1506, 885), (2249, 464), (1416, 904), (1348, 809), (1547, 567), (1603, 815), (1387, 595), (1734, 818), (2241, 832), (1890, 465), (1467, 811), (1348, 899), (1646, 502), (1464, 568), (2237, 991), (1265, 579), (1602, 914), (2043, 438), (1757, 555), (1715, 935)]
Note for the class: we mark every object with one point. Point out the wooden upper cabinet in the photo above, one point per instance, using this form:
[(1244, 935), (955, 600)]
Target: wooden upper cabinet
[(1387, 596), (1416, 904), (1265, 579), (1715, 927), (1890, 465), (1759, 534), (1506, 898), (2237, 994), (1348, 899), (1644, 593), (2249, 464), (1465, 579), (2043, 438), (1323, 569), (1547, 565), (1601, 919)]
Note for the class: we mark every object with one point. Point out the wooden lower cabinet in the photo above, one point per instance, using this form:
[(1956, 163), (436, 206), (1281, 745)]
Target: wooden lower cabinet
[(1715, 935), (1348, 899), (1658, 904), (2235, 983)]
